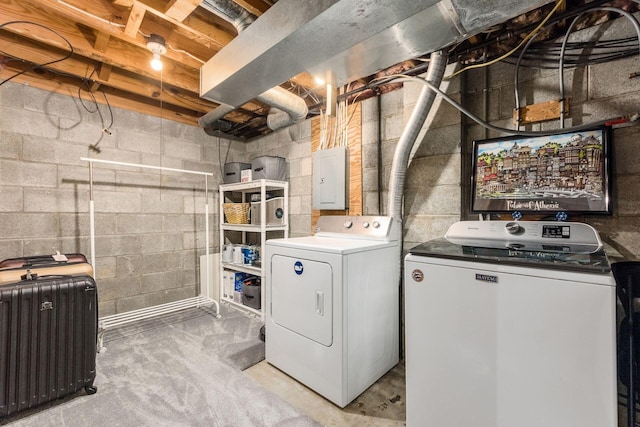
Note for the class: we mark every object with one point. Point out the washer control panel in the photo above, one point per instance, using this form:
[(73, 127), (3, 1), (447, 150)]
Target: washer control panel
[(526, 235), (362, 227)]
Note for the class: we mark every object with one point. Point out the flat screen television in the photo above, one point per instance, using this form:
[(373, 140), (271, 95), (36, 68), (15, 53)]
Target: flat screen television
[(566, 172)]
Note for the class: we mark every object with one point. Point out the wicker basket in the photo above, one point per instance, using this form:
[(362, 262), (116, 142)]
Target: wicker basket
[(236, 213)]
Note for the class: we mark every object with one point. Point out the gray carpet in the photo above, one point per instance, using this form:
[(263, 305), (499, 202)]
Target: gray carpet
[(183, 369)]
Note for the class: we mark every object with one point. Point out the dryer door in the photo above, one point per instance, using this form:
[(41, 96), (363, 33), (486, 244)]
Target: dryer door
[(301, 297)]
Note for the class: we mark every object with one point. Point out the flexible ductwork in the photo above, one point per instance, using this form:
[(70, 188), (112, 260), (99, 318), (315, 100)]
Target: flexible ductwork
[(288, 108), (435, 72), (213, 119)]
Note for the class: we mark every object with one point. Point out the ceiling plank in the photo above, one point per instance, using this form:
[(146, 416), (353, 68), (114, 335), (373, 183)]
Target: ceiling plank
[(257, 7), (123, 3), (135, 20), (121, 54), (180, 9), (111, 20), (38, 53), (116, 99), (215, 36), (108, 77)]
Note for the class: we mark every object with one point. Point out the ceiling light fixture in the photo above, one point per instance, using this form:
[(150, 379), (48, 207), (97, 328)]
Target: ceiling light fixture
[(156, 45)]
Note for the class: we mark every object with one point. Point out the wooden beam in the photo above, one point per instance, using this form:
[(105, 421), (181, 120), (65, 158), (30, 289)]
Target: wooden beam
[(136, 15), (104, 72), (116, 99), (102, 41), (113, 79), (39, 53), (540, 112), (121, 55), (202, 30), (106, 17), (256, 7), (180, 9)]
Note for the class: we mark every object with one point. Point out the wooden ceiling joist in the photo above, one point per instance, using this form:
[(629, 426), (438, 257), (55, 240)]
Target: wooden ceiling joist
[(108, 41), (180, 9), (256, 7), (38, 53), (69, 87), (136, 15)]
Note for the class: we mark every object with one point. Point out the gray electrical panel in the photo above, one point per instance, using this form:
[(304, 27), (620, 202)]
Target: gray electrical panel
[(330, 183)]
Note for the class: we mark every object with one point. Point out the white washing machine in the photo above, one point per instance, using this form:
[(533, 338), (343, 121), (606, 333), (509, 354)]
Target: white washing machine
[(511, 324), (332, 318)]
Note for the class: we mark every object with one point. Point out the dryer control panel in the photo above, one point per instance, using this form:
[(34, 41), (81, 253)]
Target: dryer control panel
[(359, 227), (571, 237)]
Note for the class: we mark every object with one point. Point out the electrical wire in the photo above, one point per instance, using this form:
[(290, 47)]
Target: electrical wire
[(466, 112), (576, 46), (96, 109), (515, 49), (626, 14), (34, 66), (84, 81), (226, 156), (507, 35), (185, 52)]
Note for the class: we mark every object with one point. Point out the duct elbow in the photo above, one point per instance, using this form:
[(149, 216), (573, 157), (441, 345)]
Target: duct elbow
[(278, 119), (213, 117), (286, 109)]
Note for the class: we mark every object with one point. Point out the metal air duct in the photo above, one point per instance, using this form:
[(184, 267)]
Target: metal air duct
[(288, 108), (342, 40)]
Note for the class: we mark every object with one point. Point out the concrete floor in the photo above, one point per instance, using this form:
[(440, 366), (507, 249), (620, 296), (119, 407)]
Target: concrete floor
[(381, 405)]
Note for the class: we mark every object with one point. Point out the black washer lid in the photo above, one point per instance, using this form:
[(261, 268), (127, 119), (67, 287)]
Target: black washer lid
[(595, 262)]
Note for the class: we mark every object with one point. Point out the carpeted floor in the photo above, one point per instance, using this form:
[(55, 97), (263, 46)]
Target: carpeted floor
[(182, 369)]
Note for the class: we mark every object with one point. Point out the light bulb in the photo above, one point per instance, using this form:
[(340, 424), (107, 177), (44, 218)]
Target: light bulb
[(156, 63)]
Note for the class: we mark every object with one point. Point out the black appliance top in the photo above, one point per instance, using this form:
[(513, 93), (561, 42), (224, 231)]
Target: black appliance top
[(556, 258)]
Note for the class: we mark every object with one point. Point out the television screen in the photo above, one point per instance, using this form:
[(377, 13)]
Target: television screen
[(565, 172)]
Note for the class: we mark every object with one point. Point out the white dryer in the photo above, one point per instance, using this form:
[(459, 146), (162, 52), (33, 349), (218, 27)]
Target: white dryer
[(332, 318)]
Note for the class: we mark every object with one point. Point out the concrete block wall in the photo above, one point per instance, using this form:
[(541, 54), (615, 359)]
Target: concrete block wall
[(432, 185), (149, 224), (294, 144), (432, 194), (597, 92)]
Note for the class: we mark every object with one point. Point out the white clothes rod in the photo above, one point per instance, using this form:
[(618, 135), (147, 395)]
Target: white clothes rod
[(163, 308), (136, 165)]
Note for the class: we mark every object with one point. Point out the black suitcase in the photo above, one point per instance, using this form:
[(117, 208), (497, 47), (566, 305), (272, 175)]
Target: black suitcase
[(48, 331)]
